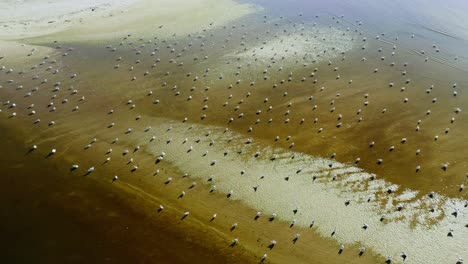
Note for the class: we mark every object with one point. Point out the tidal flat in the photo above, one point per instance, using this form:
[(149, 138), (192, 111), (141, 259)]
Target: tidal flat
[(234, 132)]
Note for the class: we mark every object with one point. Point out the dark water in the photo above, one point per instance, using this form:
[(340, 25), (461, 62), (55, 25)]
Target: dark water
[(51, 216)]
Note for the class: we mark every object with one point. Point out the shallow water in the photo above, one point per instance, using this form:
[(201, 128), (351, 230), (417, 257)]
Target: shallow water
[(64, 218), (306, 65)]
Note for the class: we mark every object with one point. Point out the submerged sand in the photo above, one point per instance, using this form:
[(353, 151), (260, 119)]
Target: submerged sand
[(299, 181), (316, 43)]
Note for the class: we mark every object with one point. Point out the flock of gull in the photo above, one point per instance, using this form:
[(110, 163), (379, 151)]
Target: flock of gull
[(230, 77)]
